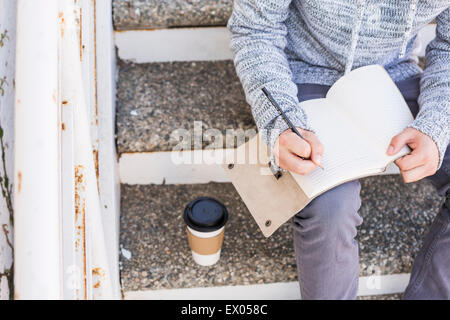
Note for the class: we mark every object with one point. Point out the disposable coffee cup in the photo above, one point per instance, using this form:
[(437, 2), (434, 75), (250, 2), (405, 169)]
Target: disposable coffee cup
[(205, 219)]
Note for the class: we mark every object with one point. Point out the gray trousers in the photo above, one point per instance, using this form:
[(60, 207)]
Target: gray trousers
[(324, 232)]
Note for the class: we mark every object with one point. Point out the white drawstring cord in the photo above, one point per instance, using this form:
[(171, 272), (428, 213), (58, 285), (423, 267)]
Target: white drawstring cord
[(409, 25), (357, 28), (355, 35)]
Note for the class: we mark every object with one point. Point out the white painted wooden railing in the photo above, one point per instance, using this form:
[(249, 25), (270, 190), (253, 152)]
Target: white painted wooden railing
[(66, 235)]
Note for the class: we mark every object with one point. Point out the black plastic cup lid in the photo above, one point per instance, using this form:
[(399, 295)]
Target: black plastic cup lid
[(205, 214)]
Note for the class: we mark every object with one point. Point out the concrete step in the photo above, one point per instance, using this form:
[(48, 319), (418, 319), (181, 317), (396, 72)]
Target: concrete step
[(155, 99), (156, 256), (151, 14), (158, 99)]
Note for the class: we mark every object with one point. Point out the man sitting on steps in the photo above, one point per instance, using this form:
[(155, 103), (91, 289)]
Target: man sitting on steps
[(297, 49)]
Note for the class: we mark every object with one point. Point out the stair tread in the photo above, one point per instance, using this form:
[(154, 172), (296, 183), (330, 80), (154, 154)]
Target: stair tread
[(396, 296), (149, 14), (154, 99), (396, 217)]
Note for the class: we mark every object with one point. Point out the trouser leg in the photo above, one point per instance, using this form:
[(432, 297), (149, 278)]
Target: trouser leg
[(325, 246), (324, 235), (430, 277)]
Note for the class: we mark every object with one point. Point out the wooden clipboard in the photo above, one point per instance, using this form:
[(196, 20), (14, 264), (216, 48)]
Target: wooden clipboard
[(271, 201)]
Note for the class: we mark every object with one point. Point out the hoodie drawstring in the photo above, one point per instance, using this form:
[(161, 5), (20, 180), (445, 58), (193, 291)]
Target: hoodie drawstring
[(409, 25), (355, 35), (355, 32)]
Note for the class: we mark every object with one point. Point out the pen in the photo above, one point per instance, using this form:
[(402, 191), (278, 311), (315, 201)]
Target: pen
[(286, 119)]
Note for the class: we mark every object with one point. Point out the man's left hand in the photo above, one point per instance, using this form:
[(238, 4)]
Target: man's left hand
[(422, 161)]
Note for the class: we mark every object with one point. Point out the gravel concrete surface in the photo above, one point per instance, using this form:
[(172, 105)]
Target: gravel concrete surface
[(150, 14), (154, 100), (396, 217)]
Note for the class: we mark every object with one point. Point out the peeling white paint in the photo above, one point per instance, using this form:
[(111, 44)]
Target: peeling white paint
[(126, 253), (7, 63)]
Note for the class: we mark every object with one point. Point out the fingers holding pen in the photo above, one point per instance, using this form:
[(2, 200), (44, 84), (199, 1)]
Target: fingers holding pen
[(315, 145), (299, 142), (295, 144), (293, 163), (290, 149)]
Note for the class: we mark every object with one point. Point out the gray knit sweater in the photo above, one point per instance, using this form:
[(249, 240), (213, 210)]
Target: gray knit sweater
[(278, 43)]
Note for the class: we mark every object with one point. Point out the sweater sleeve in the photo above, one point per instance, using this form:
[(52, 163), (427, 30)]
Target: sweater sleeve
[(434, 99), (258, 39)]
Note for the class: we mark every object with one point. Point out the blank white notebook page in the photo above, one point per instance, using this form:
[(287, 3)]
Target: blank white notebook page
[(371, 101), (346, 153)]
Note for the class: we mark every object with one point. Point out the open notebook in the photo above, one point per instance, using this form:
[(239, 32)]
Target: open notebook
[(355, 122)]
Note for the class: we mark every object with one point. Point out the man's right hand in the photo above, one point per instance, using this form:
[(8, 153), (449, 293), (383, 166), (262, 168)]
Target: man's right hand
[(289, 148)]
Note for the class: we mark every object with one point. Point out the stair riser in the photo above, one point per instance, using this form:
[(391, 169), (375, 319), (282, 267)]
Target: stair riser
[(186, 44), (165, 168), (186, 167), (371, 285), (195, 44)]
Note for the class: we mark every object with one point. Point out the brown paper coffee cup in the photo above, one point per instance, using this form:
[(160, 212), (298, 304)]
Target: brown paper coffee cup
[(205, 246), (205, 218)]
